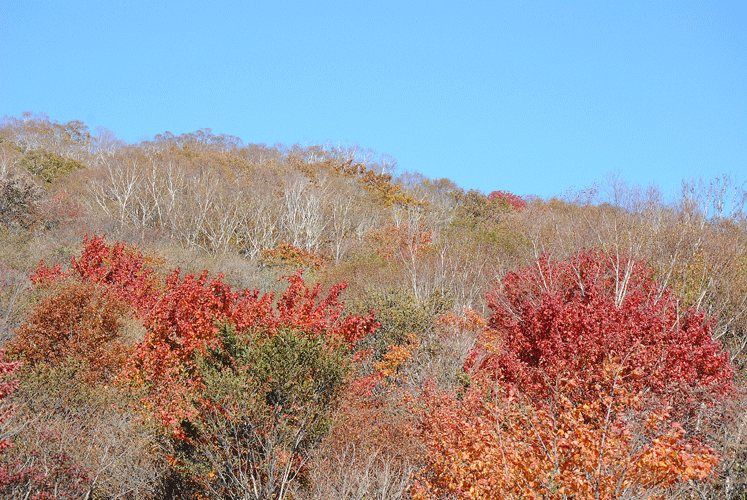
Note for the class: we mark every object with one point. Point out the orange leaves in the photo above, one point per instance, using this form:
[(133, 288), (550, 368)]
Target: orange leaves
[(79, 321), (397, 355), (500, 446), (470, 320), (404, 242), (582, 386), (286, 254)]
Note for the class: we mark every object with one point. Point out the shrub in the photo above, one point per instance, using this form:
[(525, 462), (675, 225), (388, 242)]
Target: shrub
[(78, 321), (266, 402), (588, 382), (76, 440), (558, 319)]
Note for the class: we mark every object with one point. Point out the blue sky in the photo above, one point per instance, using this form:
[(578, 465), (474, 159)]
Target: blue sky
[(532, 97)]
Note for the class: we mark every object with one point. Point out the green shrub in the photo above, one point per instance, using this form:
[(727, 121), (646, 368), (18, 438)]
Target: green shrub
[(47, 165), (267, 402)]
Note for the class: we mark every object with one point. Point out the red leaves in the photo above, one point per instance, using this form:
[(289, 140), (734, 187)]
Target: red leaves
[(301, 307), (6, 388), (564, 319), (516, 202), (78, 321), (184, 323), (121, 269), (185, 317), (583, 385), (82, 310)]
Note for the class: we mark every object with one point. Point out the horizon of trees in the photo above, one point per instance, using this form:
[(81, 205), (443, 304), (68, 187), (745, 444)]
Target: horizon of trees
[(196, 317)]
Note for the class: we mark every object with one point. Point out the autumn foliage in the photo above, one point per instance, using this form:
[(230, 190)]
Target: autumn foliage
[(566, 319), (119, 269), (500, 446), (593, 367), (77, 321), (514, 201), (81, 313), (81, 316), (285, 254), (7, 369), (186, 320), (588, 382)]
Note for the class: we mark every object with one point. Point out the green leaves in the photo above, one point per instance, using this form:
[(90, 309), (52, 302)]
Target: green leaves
[(47, 165), (265, 402)]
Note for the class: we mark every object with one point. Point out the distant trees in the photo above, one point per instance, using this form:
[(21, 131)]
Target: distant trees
[(30, 133), (238, 199), (593, 367), (516, 202)]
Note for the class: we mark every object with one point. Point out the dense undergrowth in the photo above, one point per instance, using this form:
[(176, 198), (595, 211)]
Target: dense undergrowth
[(195, 317)]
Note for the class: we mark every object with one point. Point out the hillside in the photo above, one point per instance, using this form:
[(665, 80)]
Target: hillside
[(159, 309)]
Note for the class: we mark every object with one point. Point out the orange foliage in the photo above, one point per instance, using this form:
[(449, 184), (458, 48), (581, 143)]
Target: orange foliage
[(499, 446), (584, 384), (403, 242), (397, 355), (469, 320), (78, 321), (287, 255)]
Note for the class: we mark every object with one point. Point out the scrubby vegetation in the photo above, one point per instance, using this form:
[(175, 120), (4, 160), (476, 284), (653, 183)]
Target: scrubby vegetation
[(195, 317)]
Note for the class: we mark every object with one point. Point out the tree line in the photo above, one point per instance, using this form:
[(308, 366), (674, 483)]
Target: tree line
[(196, 317)]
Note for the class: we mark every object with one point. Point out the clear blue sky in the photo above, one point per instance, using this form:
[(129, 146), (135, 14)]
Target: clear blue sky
[(532, 97)]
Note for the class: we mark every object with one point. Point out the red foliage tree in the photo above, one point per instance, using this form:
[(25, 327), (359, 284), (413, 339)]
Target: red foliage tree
[(119, 268), (565, 319), (199, 332), (80, 314), (583, 384), (514, 201), (186, 320), (81, 311), (285, 254)]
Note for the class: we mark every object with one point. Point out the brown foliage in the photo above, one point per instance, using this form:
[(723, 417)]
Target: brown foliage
[(75, 440), (286, 255)]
